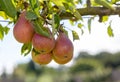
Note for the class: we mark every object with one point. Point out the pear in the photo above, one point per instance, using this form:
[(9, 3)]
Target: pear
[(42, 43), (63, 50), (59, 61), (23, 30), (41, 59)]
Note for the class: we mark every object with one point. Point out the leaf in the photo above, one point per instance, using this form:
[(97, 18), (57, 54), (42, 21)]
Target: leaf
[(105, 4), (8, 7), (82, 31), (80, 25), (1, 32), (6, 30), (2, 14), (72, 22), (80, 1), (72, 9), (77, 15), (110, 31), (104, 18), (26, 48), (39, 28), (56, 21), (31, 15), (59, 3), (33, 3), (89, 25), (35, 6), (75, 35)]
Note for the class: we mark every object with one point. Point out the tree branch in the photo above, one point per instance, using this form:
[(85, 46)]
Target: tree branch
[(101, 11)]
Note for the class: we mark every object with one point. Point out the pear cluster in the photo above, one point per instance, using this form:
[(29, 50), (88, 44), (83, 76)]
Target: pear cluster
[(45, 49)]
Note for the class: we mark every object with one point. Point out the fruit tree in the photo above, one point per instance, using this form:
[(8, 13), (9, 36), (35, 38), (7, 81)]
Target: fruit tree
[(37, 24)]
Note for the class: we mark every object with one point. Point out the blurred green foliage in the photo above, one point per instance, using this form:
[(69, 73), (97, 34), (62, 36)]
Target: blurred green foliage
[(101, 67)]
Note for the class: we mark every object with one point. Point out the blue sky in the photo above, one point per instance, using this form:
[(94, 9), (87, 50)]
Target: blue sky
[(93, 43)]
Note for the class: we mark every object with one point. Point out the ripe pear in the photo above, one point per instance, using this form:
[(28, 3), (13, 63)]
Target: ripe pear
[(23, 30), (63, 50), (43, 44), (41, 59), (59, 61)]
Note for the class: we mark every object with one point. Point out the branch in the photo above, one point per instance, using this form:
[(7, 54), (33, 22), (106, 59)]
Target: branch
[(101, 11)]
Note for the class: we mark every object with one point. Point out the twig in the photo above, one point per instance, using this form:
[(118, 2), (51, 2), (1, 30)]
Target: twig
[(4, 21), (88, 3)]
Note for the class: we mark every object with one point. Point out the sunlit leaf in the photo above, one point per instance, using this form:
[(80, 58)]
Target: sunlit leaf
[(59, 3), (1, 32), (104, 18), (26, 48), (72, 9), (80, 25), (6, 30), (8, 7), (35, 6), (77, 1), (33, 3), (2, 14), (72, 22), (110, 31), (75, 35), (77, 15)]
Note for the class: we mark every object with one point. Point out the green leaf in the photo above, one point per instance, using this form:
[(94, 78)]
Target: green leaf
[(104, 3), (110, 31), (26, 48), (33, 3), (77, 15), (75, 35), (30, 15), (39, 28), (72, 9), (1, 32), (6, 30), (72, 22), (8, 7), (35, 6), (80, 25), (89, 25), (2, 14), (56, 21), (59, 3), (80, 1), (82, 31), (104, 18)]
